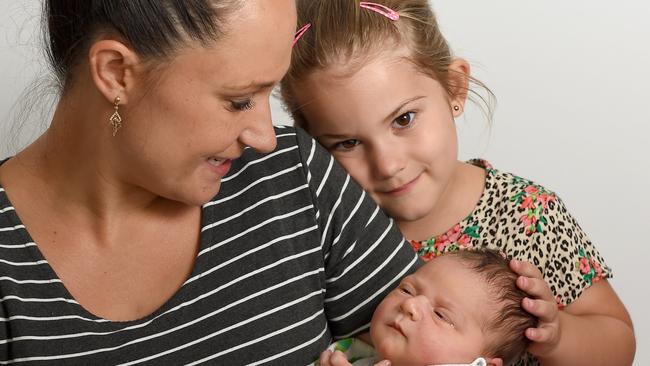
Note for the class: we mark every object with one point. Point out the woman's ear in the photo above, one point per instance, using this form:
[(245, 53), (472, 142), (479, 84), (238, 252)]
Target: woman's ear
[(458, 85), (113, 69), (494, 361)]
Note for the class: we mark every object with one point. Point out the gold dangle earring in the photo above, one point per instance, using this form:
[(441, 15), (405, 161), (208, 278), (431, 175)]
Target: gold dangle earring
[(116, 119)]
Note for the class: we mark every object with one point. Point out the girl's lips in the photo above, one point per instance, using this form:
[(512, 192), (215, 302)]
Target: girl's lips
[(219, 167), (403, 189)]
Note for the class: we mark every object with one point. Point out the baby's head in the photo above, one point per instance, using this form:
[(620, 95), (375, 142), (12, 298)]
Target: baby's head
[(457, 307)]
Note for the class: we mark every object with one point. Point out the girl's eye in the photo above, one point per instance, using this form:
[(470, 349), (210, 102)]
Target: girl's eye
[(405, 120), (346, 145), (242, 105), (405, 290)]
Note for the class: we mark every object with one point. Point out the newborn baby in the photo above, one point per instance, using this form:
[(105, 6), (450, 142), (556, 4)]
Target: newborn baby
[(462, 308)]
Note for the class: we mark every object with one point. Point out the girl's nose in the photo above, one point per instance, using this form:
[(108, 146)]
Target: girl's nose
[(387, 161)]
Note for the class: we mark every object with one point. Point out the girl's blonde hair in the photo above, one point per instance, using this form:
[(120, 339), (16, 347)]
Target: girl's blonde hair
[(344, 33)]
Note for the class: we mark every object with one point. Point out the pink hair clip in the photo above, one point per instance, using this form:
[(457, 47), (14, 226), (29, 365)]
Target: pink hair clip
[(300, 32), (380, 9)]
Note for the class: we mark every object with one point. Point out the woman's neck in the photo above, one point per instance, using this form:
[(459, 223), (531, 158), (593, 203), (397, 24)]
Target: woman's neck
[(73, 165)]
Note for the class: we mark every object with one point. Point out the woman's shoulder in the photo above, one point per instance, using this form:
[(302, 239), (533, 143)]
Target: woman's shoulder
[(292, 143), (286, 150)]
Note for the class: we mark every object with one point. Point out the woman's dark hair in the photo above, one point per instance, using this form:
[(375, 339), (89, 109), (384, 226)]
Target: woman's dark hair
[(153, 28)]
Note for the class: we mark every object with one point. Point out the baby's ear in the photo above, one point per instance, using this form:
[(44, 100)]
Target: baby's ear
[(494, 361)]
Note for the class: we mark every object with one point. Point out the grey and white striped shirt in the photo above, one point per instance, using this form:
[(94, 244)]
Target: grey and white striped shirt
[(293, 254)]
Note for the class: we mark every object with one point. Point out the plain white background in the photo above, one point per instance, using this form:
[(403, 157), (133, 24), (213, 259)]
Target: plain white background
[(572, 80)]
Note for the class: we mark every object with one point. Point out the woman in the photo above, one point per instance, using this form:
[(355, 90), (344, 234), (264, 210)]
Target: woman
[(141, 227)]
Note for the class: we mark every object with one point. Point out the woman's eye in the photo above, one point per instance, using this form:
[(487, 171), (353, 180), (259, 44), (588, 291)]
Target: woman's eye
[(405, 120), (242, 105), (405, 290), (346, 145)]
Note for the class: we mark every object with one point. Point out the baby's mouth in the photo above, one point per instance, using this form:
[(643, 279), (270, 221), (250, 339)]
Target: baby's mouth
[(397, 327)]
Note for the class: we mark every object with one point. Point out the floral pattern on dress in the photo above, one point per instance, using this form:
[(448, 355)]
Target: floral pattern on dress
[(591, 270), (452, 241), (533, 200)]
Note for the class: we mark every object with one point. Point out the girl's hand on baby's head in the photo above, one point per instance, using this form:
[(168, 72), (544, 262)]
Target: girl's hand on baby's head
[(541, 303)]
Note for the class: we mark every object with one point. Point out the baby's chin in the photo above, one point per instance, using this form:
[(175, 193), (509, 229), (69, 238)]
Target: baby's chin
[(404, 357), (398, 357)]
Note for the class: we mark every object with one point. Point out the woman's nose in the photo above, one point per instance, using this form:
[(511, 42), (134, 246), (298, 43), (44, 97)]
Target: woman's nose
[(260, 134)]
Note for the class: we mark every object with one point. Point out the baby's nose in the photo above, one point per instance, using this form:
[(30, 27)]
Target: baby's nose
[(412, 307)]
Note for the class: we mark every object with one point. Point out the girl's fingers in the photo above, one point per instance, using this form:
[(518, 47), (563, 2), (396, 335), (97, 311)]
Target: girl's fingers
[(526, 269), (541, 335), (535, 287), (545, 311)]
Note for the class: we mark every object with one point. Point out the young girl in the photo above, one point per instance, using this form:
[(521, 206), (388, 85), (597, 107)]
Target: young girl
[(377, 85)]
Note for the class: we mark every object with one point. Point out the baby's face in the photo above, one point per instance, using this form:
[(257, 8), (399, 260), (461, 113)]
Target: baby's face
[(435, 316)]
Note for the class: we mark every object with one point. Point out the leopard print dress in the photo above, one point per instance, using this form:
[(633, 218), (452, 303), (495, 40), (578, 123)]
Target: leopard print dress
[(528, 222)]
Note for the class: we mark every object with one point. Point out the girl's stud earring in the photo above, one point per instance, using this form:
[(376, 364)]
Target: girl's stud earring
[(456, 108)]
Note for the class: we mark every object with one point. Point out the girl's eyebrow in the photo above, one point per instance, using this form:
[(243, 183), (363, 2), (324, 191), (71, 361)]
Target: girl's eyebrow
[(388, 119), (394, 113), (332, 136)]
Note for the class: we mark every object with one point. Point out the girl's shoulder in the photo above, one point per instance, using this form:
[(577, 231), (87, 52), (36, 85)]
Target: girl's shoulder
[(507, 194), (503, 183), (530, 222), (510, 213)]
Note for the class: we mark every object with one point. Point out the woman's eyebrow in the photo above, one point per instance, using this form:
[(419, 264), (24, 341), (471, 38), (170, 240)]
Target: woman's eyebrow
[(252, 86)]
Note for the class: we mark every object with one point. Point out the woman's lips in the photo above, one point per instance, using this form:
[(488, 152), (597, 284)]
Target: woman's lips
[(219, 166)]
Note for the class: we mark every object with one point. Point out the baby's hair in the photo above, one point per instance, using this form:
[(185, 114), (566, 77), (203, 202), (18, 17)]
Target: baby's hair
[(344, 33), (511, 320)]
